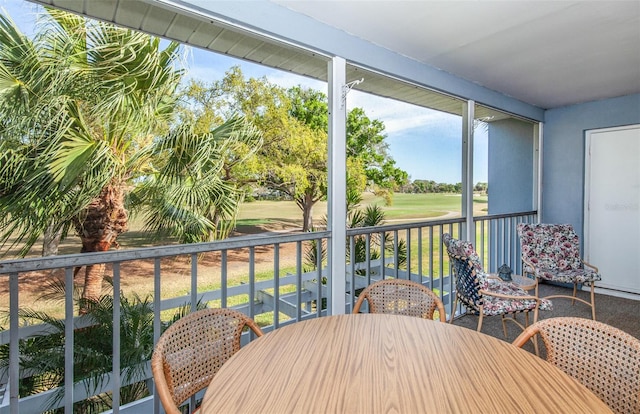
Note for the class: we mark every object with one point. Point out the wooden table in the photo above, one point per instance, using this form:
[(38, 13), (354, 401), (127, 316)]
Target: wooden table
[(376, 363)]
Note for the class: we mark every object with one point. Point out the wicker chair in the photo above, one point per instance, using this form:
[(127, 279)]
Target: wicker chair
[(192, 350), (486, 296), (552, 252), (401, 297), (603, 358)]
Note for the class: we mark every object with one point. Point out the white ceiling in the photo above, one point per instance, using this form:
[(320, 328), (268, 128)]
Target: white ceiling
[(546, 53)]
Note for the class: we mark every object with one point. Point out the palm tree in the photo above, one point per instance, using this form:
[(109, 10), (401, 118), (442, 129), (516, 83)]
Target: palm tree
[(85, 96), (43, 356), (86, 112), (371, 216), (187, 196)]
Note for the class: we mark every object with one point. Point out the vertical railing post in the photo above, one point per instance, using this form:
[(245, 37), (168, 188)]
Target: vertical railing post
[(116, 340), (14, 349), (337, 195), (194, 282), (467, 168), (68, 342), (537, 169), (157, 323), (276, 285)]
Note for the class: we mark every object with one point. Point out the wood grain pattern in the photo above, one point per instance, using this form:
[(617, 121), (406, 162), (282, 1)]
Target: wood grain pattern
[(380, 363)]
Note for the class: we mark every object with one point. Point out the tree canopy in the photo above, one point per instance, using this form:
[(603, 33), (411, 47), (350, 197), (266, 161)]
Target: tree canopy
[(294, 123)]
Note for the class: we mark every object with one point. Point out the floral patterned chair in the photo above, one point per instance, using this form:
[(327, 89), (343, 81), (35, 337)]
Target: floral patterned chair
[(483, 295), (552, 252)]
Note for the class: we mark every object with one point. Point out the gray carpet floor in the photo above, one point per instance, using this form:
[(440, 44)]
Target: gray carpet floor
[(619, 312)]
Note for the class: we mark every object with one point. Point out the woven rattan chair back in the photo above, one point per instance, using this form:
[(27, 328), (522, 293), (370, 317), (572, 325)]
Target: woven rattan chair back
[(401, 297), (192, 350), (603, 358)]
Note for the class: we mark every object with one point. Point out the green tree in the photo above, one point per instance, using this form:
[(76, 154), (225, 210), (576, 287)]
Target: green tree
[(481, 187), (366, 141), (293, 123), (296, 165), (256, 99), (293, 157), (365, 137), (87, 109), (368, 161)]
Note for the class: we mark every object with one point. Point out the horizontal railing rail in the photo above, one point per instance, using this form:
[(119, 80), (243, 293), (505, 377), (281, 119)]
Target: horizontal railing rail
[(292, 289), (84, 259)]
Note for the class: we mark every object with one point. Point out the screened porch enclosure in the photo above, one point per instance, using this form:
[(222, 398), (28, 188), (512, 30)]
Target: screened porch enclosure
[(297, 287)]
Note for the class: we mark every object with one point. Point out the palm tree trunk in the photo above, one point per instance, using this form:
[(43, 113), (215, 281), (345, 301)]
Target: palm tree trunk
[(98, 226), (51, 241), (93, 277)]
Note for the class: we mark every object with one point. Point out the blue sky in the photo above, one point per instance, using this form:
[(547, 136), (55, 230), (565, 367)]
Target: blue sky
[(425, 143)]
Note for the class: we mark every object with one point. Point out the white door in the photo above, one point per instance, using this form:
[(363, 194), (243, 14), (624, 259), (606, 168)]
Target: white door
[(612, 206)]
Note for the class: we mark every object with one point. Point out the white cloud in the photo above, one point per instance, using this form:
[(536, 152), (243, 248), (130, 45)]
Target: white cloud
[(397, 116)]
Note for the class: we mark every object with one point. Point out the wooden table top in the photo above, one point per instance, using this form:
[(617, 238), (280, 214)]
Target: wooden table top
[(377, 363)]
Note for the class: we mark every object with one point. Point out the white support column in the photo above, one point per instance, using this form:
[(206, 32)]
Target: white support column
[(467, 168), (537, 169), (337, 194)]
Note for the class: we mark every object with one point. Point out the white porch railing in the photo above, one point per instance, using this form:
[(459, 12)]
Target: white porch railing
[(291, 291)]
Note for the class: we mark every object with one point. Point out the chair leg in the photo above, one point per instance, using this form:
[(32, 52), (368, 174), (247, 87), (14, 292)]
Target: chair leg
[(453, 310), (535, 337), (504, 325), (575, 292), (593, 301), (480, 321)]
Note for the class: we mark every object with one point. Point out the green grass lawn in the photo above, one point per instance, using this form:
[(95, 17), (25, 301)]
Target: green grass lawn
[(285, 215), (405, 206)]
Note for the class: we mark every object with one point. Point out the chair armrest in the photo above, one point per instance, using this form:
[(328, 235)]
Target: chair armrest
[(527, 334), (526, 263), (590, 265), (500, 295)]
